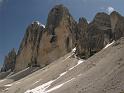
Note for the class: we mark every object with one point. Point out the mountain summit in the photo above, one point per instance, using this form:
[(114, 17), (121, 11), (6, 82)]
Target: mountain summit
[(40, 46)]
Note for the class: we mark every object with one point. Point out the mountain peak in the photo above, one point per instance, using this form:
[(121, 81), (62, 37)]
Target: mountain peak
[(82, 20), (115, 13), (56, 15), (38, 23), (9, 61)]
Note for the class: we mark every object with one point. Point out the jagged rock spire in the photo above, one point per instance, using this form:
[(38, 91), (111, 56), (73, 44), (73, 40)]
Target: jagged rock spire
[(9, 61)]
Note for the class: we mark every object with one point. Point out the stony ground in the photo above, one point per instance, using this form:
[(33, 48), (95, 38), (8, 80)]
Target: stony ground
[(102, 73)]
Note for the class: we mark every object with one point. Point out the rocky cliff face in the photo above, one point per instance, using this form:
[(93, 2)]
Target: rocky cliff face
[(28, 51), (99, 33), (94, 36), (9, 61), (58, 37), (42, 46), (82, 37), (102, 30), (117, 24)]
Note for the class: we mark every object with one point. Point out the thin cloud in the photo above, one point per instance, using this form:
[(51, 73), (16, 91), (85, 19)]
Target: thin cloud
[(110, 9)]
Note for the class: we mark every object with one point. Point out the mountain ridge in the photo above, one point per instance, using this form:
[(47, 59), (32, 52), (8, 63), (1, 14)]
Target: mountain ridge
[(66, 56), (40, 46)]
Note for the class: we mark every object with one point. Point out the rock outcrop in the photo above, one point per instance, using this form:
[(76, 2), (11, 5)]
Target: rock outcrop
[(117, 24), (28, 51), (41, 46), (94, 36), (99, 33), (58, 37), (9, 61), (82, 36)]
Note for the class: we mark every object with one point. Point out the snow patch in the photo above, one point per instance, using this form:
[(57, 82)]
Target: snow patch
[(58, 86), (42, 25), (108, 45), (88, 21), (63, 73), (67, 58), (8, 85), (72, 53), (74, 50), (36, 82), (79, 62), (41, 88), (37, 22), (54, 88), (2, 80), (110, 9)]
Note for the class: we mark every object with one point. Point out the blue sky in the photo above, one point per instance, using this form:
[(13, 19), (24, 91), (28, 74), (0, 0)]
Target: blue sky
[(16, 15)]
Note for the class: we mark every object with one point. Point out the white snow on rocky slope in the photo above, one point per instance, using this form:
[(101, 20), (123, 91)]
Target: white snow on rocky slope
[(8, 85), (63, 73), (40, 89), (72, 53), (2, 80), (42, 25), (43, 88), (79, 62), (74, 50), (109, 45), (37, 22), (58, 86)]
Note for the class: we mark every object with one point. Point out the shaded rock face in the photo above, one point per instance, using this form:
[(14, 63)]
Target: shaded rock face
[(99, 33), (102, 30), (82, 36), (117, 23), (94, 36), (28, 51), (42, 46), (9, 61)]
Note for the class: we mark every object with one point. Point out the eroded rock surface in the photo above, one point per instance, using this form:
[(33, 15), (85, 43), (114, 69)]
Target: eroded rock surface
[(9, 61)]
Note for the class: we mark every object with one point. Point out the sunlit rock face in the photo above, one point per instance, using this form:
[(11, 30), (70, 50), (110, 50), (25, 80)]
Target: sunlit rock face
[(28, 51), (58, 37), (40, 46)]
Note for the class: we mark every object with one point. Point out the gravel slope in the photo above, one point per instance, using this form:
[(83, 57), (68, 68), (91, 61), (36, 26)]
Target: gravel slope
[(101, 73)]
